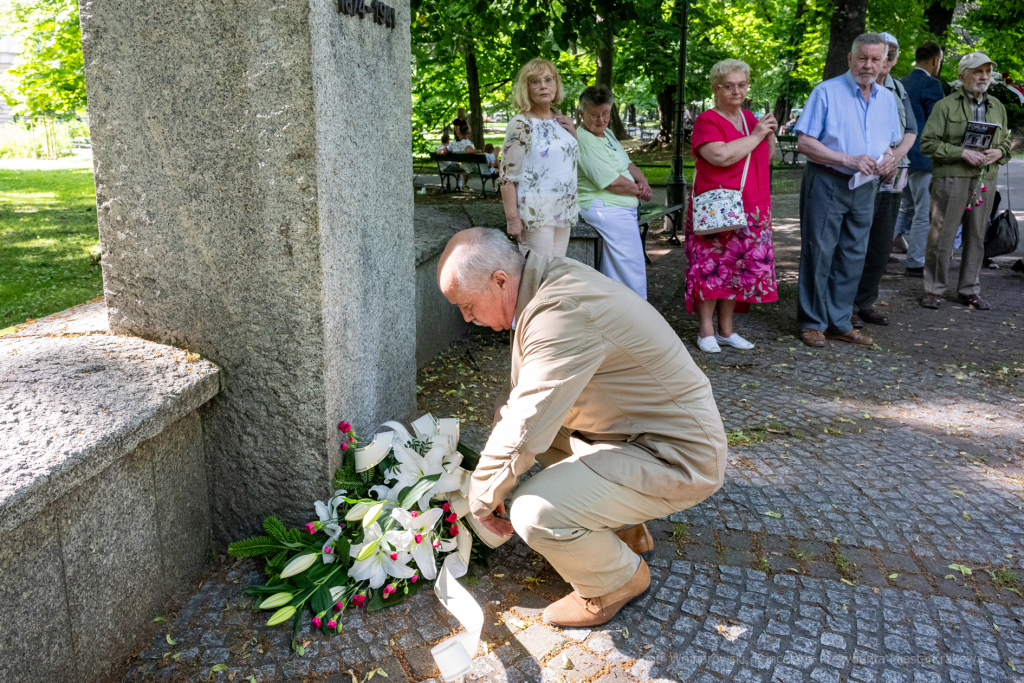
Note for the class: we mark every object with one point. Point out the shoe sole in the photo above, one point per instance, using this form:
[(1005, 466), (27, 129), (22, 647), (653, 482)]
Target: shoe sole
[(631, 602), (850, 341)]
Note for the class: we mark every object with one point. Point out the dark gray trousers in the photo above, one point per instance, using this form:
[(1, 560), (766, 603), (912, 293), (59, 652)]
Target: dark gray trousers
[(834, 226), (883, 226)]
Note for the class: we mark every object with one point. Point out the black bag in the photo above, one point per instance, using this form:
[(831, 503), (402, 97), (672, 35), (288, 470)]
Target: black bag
[(1002, 236)]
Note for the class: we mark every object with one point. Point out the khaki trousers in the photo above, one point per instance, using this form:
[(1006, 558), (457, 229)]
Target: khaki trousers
[(949, 202), (546, 240), (569, 514)]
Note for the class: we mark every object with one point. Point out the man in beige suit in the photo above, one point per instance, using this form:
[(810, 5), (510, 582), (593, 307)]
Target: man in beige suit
[(605, 396)]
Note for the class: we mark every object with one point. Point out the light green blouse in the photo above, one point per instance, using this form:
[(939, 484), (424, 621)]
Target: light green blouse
[(601, 161)]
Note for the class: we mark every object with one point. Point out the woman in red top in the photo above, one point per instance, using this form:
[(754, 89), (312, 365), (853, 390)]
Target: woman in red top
[(728, 270)]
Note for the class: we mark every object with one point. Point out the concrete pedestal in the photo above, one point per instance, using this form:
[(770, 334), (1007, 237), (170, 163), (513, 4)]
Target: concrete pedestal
[(252, 174)]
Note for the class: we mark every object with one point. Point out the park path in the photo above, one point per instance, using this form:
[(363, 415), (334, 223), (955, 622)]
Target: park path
[(856, 477)]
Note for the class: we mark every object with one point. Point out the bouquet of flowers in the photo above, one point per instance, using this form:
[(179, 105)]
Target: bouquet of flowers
[(400, 503)]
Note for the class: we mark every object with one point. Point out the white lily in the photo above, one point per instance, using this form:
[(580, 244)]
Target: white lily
[(418, 537), (333, 532), (384, 560), (328, 512), (358, 511), (413, 467)]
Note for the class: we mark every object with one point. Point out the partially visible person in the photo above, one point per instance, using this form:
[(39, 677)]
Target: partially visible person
[(887, 201), (443, 149), (834, 220), (462, 145), (924, 90), (460, 119), (611, 188), (958, 178), (538, 163), (605, 398), (492, 160), (727, 271)]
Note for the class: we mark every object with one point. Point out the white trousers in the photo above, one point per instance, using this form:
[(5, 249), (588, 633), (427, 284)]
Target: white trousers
[(546, 240), (622, 258)]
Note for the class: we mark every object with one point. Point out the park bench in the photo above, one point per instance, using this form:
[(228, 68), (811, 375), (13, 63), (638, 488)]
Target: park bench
[(81, 143), (650, 211), (472, 164), (787, 150)]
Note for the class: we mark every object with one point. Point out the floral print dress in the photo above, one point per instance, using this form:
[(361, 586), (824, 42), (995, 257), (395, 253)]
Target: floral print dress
[(737, 264), (540, 157)]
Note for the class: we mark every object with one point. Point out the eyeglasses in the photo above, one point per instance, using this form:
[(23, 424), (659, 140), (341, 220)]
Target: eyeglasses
[(734, 87), (536, 82)]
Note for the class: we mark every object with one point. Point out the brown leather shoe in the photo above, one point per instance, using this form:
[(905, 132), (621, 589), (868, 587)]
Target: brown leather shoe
[(931, 301), (975, 301), (813, 338), (852, 337), (575, 611), (873, 317), (638, 539)]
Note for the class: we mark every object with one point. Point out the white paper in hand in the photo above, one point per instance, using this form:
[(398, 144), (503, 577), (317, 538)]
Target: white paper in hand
[(859, 178)]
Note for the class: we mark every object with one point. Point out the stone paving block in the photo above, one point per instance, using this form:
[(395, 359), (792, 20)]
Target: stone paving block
[(540, 640)]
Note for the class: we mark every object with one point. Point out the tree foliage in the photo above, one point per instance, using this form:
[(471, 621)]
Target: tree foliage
[(49, 81)]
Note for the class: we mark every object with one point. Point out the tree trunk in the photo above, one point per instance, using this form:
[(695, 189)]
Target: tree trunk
[(666, 113), (476, 113), (848, 21), (939, 18), (605, 61)]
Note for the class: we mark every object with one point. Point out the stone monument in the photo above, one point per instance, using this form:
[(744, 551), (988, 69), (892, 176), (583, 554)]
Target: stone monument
[(253, 169)]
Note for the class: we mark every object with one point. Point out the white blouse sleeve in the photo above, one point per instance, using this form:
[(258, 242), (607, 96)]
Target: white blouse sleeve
[(513, 151)]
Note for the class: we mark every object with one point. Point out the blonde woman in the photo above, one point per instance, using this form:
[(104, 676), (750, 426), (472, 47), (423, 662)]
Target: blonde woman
[(538, 164)]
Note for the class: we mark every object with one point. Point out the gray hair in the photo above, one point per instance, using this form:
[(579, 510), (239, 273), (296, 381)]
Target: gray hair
[(869, 39), (485, 253), (725, 67), (596, 95)]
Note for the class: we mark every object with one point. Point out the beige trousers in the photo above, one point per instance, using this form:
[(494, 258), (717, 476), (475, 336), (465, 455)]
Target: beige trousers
[(569, 514), (546, 240), (949, 208)]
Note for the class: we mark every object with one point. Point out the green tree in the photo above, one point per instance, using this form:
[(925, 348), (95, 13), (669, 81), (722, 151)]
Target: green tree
[(49, 81)]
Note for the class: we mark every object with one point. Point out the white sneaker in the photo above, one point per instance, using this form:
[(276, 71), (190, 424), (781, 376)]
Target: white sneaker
[(735, 341), (708, 344)]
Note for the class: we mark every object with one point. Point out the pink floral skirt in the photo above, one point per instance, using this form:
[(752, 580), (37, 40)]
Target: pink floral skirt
[(737, 264)]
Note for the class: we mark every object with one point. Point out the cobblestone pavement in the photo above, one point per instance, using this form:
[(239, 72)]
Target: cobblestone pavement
[(857, 477)]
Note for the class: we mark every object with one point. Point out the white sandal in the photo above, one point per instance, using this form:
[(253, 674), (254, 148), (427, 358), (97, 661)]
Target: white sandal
[(734, 340), (708, 344)]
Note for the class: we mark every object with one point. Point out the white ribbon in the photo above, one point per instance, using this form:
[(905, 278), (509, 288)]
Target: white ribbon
[(454, 656)]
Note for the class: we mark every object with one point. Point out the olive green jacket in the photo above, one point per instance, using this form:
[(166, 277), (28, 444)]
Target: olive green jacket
[(942, 135)]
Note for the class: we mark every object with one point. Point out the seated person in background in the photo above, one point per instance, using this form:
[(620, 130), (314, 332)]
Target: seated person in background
[(443, 149), (492, 160), (462, 145)]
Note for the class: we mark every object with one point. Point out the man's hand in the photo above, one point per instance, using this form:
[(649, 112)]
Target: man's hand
[(645, 192), (863, 163), (495, 524), (887, 169), (992, 155), (974, 158)]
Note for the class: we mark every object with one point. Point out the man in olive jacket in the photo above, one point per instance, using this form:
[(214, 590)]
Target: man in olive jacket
[(963, 181), (606, 397)]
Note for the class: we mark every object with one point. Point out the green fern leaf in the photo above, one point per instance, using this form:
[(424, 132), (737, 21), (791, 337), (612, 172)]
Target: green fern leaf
[(275, 528), (257, 546)]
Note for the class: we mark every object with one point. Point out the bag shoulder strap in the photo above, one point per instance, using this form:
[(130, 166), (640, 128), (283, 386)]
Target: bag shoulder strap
[(746, 164)]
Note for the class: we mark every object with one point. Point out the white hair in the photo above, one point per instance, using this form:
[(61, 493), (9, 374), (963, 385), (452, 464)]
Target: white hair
[(485, 253), (725, 67), (870, 39)]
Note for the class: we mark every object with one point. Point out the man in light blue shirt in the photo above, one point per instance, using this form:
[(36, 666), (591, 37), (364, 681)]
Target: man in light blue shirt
[(846, 128)]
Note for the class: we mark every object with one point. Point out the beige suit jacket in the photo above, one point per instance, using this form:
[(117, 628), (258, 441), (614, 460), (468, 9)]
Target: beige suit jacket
[(591, 356)]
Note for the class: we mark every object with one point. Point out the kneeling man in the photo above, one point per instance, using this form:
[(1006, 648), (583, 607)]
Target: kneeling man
[(605, 396)]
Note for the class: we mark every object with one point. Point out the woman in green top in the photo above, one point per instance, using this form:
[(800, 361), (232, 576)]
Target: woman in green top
[(610, 191)]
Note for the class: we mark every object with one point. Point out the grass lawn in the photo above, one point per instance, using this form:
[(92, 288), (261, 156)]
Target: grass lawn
[(47, 233)]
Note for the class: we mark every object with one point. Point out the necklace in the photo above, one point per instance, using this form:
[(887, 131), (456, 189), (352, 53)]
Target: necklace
[(738, 124)]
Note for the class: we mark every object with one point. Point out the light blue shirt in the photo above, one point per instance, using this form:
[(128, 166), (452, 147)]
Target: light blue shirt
[(839, 117)]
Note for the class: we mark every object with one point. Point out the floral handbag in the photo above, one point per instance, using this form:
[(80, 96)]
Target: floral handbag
[(720, 210)]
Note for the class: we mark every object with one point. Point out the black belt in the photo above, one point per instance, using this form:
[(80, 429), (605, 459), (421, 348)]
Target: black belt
[(832, 172)]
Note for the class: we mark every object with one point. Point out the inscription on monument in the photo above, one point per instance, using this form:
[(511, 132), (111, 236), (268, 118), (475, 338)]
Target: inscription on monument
[(382, 14)]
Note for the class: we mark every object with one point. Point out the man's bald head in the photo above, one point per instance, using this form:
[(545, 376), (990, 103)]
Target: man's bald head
[(479, 271)]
